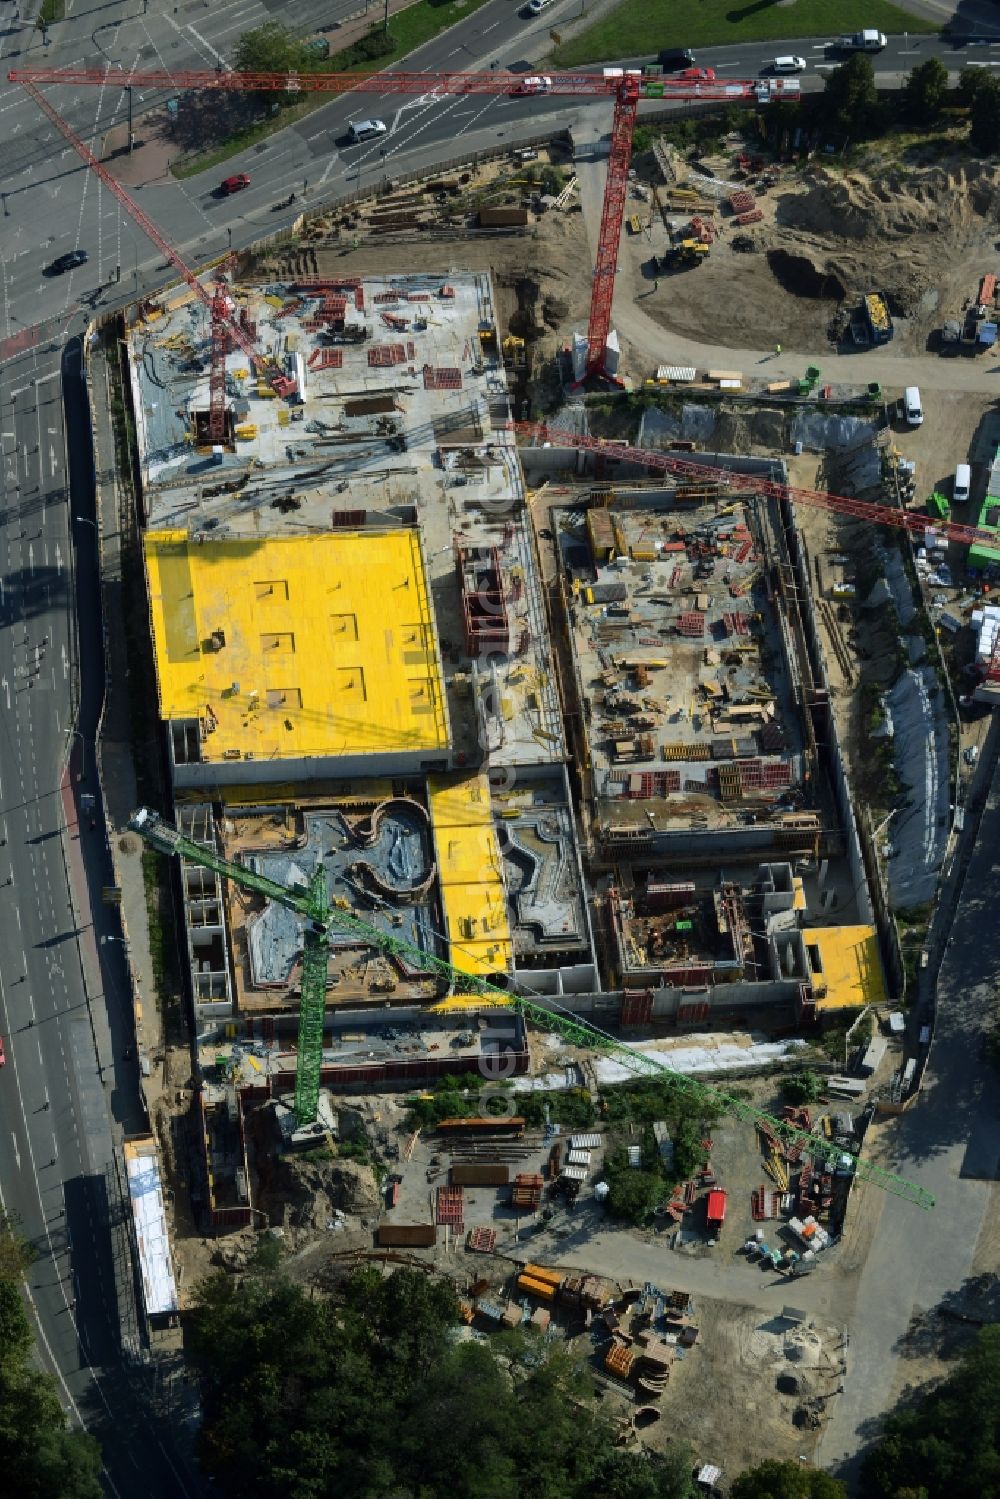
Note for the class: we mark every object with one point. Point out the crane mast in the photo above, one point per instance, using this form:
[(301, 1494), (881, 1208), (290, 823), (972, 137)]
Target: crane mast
[(322, 920)]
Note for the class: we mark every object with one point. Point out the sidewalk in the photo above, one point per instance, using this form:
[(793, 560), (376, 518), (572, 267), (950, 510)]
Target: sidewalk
[(114, 746)]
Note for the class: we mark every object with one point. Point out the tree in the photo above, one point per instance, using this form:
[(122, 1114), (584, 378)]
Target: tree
[(372, 1396), (271, 48), (970, 82), (984, 115), (39, 1457), (15, 1332), (946, 1445), (786, 1480), (850, 98), (924, 92)]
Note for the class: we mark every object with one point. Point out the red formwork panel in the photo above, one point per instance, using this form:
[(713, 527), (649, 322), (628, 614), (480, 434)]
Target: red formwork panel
[(384, 356), (326, 359), (441, 379)]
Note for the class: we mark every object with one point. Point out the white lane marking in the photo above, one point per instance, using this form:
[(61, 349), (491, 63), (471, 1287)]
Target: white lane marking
[(17, 1153)]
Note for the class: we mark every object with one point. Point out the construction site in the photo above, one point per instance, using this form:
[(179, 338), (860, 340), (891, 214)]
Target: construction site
[(490, 749), (514, 761)]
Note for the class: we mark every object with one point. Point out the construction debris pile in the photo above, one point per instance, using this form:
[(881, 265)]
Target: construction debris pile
[(807, 1194)]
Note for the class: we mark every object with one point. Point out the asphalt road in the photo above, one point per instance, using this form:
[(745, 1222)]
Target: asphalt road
[(50, 202), (66, 1093), (949, 1142)]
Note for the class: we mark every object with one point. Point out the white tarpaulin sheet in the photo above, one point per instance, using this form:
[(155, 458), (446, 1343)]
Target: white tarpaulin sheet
[(146, 1196)]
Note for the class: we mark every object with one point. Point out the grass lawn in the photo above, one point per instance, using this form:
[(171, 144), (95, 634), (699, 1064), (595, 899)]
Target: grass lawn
[(637, 28), (409, 29)]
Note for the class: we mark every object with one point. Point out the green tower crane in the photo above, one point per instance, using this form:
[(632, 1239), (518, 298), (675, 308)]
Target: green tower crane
[(311, 902)]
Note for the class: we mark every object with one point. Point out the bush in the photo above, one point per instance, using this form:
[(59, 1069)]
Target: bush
[(572, 1108), (374, 44), (801, 1087), (786, 1480)]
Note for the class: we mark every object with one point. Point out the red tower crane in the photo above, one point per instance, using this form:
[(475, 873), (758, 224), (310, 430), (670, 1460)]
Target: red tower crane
[(223, 324), (626, 89)]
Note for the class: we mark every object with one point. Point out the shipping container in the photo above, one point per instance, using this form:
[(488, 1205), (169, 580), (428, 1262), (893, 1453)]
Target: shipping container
[(500, 217), (715, 1208), (482, 1126), (406, 1235), (540, 1288), (542, 1272), (479, 1174)]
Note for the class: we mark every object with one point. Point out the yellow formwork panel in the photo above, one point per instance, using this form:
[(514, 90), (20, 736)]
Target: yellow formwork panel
[(852, 969), (297, 646), (460, 801), (470, 877)]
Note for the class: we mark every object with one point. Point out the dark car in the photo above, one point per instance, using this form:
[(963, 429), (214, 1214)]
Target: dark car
[(675, 59), (67, 262)]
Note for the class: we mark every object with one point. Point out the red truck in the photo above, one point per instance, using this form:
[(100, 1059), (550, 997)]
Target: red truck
[(715, 1209)]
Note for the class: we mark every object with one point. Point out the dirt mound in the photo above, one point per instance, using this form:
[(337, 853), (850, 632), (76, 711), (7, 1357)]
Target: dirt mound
[(302, 1195), (893, 205)]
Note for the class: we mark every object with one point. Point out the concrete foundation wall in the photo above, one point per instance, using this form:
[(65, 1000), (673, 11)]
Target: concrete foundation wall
[(211, 778)]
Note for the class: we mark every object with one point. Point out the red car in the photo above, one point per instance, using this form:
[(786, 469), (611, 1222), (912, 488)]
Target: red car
[(698, 75), (234, 184), (3, 1054)]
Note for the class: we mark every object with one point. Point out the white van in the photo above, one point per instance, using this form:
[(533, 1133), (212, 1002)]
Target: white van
[(363, 130), (961, 485), (912, 409)]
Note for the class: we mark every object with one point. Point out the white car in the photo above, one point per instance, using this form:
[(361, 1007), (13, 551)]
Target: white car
[(535, 7), (788, 65), (533, 86), (363, 130)]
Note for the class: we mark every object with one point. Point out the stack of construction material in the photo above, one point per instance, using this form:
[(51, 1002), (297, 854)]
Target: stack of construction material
[(810, 1232), (585, 1292), (527, 1191), (741, 201), (482, 1240), (450, 1208), (619, 1360), (653, 1368), (537, 1281)]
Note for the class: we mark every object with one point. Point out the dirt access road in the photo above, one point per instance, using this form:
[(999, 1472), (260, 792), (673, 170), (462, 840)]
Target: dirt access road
[(647, 343)]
